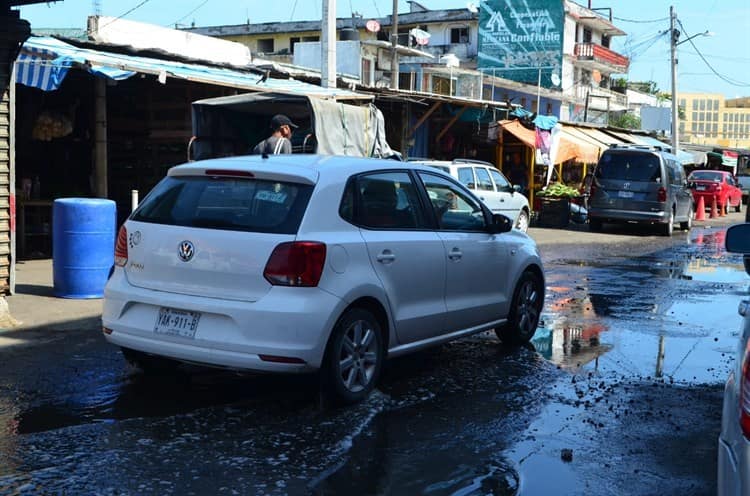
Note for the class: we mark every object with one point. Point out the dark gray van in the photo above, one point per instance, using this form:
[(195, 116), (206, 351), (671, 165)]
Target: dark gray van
[(640, 185)]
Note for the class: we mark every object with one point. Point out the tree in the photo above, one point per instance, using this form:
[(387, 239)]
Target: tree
[(625, 120)]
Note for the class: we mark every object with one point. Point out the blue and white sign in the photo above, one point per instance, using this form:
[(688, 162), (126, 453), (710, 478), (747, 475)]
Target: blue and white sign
[(518, 39)]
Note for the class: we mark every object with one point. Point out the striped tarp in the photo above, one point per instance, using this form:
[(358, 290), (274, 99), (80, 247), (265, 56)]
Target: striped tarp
[(44, 62)]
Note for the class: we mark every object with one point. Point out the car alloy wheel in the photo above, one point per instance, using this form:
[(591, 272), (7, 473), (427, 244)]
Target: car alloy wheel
[(522, 223), (668, 228), (526, 308), (354, 357)]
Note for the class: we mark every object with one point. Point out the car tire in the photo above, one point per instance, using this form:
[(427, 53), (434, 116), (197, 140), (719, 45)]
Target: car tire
[(595, 225), (522, 222), (525, 310), (668, 228), (354, 357), (687, 225), (149, 364)]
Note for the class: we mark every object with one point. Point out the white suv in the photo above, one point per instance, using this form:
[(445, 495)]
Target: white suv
[(294, 263), (490, 185)]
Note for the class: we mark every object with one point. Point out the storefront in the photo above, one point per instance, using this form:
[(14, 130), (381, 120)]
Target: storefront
[(94, 123)]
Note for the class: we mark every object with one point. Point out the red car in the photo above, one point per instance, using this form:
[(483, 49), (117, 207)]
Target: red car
[(720, 184)]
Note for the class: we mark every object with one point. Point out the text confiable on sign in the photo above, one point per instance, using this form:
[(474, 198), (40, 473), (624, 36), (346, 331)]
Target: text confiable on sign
[(518, 38)]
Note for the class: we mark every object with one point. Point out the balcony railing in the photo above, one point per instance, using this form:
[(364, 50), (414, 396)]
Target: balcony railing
[(580, 91), (598, 53)]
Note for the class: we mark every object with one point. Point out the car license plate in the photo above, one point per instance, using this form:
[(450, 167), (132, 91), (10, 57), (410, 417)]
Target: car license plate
[(177, 322), (625, 194), (700, 188)]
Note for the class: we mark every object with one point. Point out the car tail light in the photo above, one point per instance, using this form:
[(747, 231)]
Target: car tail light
[(299, 263), (745, 394), (661, 195), (121, 248)]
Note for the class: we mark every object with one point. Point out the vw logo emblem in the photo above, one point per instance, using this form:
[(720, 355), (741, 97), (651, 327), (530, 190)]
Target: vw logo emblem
[(185, 251)]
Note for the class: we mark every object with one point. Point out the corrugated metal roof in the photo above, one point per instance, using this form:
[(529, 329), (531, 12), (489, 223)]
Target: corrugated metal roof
[(42, 56)]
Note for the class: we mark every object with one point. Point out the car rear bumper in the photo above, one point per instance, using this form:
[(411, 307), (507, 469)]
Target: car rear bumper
[(615, 215), (287, 323), (729, 481), (708, 198)]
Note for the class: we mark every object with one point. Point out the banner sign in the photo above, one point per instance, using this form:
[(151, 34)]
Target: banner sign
[(520, 38)]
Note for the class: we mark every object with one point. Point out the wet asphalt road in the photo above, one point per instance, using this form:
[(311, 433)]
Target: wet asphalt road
[(619, 394)]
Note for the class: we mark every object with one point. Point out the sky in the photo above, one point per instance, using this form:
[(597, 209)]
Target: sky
[(727, 50)]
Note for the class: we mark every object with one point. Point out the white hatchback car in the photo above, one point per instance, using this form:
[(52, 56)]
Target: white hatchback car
[(734, 439), (295, 263), (490, 185)]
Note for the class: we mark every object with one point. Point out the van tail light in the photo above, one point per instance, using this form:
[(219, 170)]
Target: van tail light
[(298, 263), (661, 195), (745, 394), (121, 247)]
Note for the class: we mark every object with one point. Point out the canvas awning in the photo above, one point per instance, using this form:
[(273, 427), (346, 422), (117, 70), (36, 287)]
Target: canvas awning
[(601, 136), (574, 148), (525, 135), (44, 62)]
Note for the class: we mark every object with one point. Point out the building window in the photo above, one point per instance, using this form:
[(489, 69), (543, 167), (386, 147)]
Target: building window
[(701, 128), (311, 38), (265, 45), (682, 102), (695, 116), (605, 41), (716, 116), (694, 127), (695, 104), (702, 116), (716, 104), (460, 35), (682, 126), (710, 105), (724, 128), (715, 128), (293, 41), (703, 104), (586, 35)]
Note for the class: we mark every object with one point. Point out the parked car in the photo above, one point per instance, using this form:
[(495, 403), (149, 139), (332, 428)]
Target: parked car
[(743, 181), (490, 185), (720, 184), (640, 185), (734, 439), (295, 263)]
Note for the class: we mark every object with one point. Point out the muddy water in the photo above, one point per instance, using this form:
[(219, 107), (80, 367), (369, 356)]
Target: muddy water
[(622, 379)]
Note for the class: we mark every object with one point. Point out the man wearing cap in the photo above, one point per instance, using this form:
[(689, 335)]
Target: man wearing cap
[(278, 142)]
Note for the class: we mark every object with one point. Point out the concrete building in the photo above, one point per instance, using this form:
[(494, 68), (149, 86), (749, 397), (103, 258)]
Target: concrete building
[(561, 64), (710, 119)]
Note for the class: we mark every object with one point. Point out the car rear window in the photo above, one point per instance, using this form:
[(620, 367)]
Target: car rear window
[(706, 176), (226, 203), (642, 167)]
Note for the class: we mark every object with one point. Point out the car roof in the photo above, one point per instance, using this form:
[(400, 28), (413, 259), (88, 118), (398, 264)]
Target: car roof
[(296, 167)]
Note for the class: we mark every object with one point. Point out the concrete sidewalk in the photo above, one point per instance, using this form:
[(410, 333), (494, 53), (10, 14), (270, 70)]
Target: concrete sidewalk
[(34, 305)]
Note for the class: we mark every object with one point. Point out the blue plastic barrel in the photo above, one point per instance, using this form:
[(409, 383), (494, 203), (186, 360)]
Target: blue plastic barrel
[(83, 240)]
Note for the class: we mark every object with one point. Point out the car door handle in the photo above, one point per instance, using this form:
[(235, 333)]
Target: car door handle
[(455, 254), (386, 257)]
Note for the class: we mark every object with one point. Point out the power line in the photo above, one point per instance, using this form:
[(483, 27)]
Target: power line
[(294, 7), (720, 76), (375, 4), (191, 12), (144, 2), (639, 21)]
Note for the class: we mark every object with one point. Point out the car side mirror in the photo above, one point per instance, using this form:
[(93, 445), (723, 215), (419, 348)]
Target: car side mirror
[(738, 239), (500, 224), (517, 188)]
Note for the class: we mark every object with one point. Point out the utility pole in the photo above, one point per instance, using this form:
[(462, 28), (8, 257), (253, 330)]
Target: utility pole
[(328, 45), (394, 44), (674, 35)]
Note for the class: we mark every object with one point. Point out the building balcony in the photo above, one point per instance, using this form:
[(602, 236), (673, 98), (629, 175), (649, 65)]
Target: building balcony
[(602, 59)]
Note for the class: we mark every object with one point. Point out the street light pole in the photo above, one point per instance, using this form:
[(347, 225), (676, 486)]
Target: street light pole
[(674, 34), (394, 47)]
